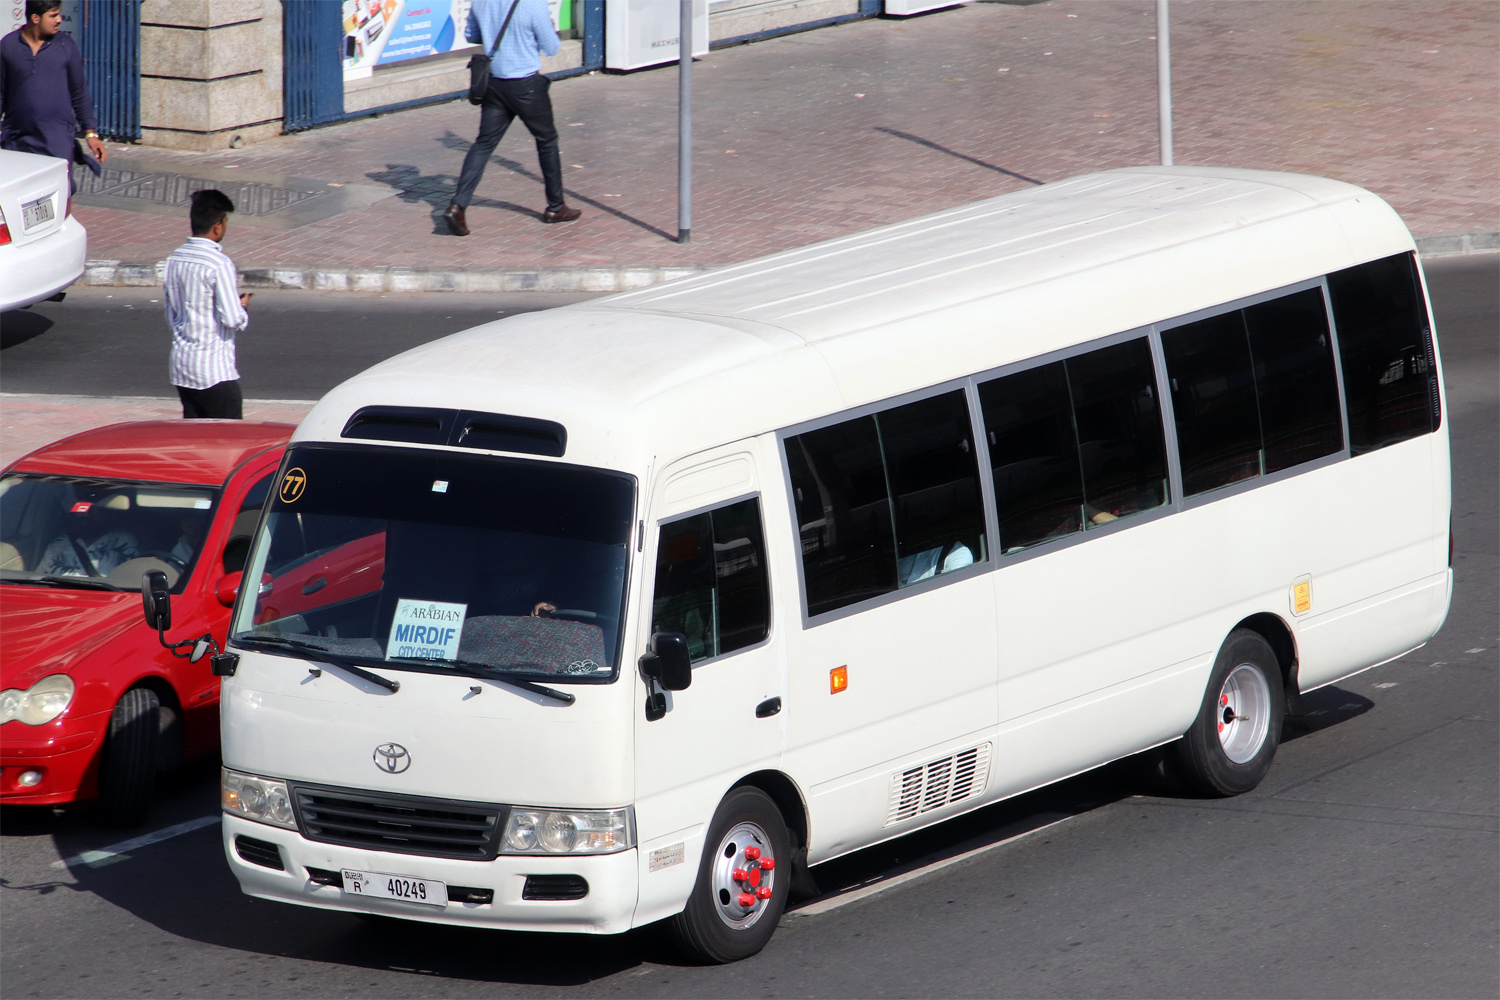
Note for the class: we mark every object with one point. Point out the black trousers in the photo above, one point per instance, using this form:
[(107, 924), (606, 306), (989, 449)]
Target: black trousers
[(505, 101), (222, 401)]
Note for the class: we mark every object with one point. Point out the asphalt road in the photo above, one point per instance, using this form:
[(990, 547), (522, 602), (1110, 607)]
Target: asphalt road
[(1364, 865), (115, 341)]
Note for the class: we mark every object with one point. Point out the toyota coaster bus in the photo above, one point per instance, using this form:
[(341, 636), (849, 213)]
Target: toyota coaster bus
[(639, 609)]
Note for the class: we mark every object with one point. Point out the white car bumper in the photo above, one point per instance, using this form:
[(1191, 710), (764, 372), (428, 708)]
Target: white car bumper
[(607, 909), (42, 268)]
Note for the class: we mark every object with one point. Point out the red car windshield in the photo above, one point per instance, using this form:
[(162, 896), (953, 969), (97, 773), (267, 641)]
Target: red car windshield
[(440, 561), (98, 534)]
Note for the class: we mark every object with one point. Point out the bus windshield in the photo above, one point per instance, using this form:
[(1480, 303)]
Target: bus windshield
[(442, 562)]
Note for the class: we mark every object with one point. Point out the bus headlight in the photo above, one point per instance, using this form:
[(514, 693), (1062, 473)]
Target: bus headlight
[(264, 800), (42, 702), (568, 831)]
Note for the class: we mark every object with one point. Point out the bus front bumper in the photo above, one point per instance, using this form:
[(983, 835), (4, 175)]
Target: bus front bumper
[(606, 909)]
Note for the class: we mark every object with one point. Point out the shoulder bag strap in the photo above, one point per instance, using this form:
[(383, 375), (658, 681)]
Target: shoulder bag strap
[(504, 28)]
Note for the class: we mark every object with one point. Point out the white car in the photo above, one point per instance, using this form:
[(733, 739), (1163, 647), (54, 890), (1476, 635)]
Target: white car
[(42, 247)]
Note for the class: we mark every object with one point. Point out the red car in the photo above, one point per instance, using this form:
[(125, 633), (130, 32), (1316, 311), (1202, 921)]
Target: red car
[(92, 705)]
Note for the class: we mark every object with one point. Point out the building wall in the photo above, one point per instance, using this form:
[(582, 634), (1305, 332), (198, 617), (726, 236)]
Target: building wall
[(210, 72), (730, 19)]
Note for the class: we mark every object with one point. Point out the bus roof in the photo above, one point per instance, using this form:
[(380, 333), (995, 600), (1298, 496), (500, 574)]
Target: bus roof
[(772, 342)]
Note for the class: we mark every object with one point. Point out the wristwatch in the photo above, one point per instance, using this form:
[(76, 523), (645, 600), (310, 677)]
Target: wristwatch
[(91, 134)]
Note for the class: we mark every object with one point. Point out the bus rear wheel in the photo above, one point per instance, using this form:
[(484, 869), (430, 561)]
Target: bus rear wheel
[(743, 881), (1231, 743)]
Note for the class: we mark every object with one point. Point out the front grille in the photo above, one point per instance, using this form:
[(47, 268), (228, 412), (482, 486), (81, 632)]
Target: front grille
[(555, 887), (456, 893), (259, 852), (402, 824)]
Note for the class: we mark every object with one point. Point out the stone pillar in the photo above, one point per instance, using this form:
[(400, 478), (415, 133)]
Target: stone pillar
[(210, 72)]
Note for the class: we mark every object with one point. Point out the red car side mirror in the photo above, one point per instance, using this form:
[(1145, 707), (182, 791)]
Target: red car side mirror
[(227, 587)]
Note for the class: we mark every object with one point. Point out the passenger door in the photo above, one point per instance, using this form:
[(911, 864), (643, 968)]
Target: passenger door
[(708, 577), (892, 671)]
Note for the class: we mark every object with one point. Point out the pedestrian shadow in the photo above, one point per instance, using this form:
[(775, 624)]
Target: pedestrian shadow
[(955, 154), (19, 326), (459, 144), (412, 186)]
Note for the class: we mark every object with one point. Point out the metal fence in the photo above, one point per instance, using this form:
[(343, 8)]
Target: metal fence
[(109, 38), (313, 84)]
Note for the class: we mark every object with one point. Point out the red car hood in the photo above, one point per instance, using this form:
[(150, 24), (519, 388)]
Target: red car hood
[(45, 630)]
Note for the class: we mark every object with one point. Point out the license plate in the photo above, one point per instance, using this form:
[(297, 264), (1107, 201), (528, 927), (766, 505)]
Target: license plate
[(383, 885), (34, 213)]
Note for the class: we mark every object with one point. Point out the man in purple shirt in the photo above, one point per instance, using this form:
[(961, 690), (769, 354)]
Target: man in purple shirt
[(43, 89)]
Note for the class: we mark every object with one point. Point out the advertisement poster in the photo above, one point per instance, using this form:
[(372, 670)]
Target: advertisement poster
[(382, 32)]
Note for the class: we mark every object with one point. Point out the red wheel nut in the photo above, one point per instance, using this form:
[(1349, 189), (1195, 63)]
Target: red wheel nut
[(752, 853), (746, 900), (764, 892), (739, 875), (766, 864)]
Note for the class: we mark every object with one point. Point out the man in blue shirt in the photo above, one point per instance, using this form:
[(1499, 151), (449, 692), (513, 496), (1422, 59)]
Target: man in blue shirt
[(43, 89), (517, 89)]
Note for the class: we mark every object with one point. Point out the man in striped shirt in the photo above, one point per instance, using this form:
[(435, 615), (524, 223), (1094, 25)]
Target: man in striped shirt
[(205, 309)]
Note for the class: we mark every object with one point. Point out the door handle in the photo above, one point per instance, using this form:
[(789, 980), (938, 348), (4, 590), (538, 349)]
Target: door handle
[(768, 708), (315, 586)]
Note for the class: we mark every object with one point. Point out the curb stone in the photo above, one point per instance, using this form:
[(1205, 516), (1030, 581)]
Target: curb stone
[(544, 279), (407, 279)]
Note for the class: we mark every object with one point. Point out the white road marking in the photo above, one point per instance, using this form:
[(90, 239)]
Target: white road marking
[(117, 852), (823, 906)]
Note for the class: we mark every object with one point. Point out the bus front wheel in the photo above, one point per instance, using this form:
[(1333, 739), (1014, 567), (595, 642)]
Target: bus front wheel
[(743, 881), (1231, 743)]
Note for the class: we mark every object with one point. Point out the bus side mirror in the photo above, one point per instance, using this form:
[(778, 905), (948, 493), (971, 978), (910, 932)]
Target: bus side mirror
[(156, 599), (667, 663)]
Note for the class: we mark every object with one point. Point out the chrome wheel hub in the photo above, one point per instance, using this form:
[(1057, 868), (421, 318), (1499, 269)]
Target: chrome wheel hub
[(1244, 713), (743, 875)]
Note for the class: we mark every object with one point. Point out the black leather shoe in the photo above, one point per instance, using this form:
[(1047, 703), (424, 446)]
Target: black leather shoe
[(564, 214), (457, 225)]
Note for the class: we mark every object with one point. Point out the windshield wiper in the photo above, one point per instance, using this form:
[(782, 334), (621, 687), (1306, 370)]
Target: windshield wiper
[(324, 655), (490, 673), (58, 580)]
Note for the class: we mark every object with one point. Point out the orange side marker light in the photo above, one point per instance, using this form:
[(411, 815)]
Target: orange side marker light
[(838, 679)]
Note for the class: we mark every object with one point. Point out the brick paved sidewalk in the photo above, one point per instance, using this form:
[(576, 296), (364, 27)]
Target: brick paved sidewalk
[(30, 420), (833, 131)]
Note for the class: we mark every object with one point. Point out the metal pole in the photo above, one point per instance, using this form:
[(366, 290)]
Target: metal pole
[(685, 123), (1164, 82)]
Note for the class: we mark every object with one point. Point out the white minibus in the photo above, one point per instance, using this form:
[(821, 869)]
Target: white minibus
[(642, 608)]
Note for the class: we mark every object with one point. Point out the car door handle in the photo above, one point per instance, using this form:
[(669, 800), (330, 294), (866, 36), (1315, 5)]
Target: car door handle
[(315, 586), (768, 708)]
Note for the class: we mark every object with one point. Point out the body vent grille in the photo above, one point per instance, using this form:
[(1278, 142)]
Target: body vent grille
[(930, 786)]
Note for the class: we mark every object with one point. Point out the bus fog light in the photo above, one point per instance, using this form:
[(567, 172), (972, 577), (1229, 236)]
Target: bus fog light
[(587, 831), (264, 800)]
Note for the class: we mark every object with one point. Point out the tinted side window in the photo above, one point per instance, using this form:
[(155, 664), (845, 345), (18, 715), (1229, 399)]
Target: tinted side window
[(711, 580), (934, 482), (843, 514), (1028, 417), (238, 546), (1386, 350), (1120, 444), (1294, 379), (886, 501), (1213, 402), (1075, 444)]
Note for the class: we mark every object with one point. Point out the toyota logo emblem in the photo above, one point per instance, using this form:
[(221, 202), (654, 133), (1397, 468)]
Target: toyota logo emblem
[(392, 758)]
